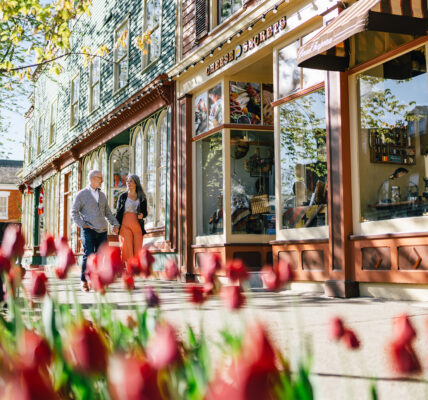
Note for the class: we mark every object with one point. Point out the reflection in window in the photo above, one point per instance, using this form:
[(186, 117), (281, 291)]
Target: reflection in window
[(252, 182), (303, 162), (393, 141), (226, 8), (209, 184), (152, 25), (121, 42), (119, 170)]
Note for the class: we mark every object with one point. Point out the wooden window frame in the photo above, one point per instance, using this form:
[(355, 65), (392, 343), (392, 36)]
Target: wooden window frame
[(5, 214)]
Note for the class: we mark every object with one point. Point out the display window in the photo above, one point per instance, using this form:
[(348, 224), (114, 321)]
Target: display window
[(392, 135), (208, 110), (119, 170), (97, 160)]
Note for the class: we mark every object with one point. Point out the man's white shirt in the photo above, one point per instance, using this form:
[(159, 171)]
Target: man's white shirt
[(95, 193)]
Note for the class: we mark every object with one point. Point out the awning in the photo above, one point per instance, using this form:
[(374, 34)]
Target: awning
[(328, 49)]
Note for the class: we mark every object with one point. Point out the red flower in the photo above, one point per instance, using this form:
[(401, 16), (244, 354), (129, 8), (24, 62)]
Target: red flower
[(110, 264), (152, 299), (146, 262), (197, 293), (4, 263), (33, 350), (232, 296), (14, 277), (171, 269), (133, 266), (350, 339), (38, 284), (276, 278), (236, 271), (65, 260), (132, 378), (47, 246), (337, 328), (258, 349), (162, 349), (60, 242), (128, 281), (86, 351), (210, 264), (13, 242), (403, 357), (403, 330), (96, 283)]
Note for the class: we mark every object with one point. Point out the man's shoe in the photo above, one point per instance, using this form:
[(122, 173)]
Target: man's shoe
[(84, 286)]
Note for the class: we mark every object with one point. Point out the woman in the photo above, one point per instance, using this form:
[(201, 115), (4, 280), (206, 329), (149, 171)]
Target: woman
[(131, 209)]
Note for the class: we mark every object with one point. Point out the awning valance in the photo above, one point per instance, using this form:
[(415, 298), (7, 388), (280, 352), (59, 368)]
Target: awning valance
[(328, 50)]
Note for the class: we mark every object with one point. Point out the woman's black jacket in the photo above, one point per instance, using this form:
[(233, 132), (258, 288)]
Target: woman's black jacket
[(141, 209)]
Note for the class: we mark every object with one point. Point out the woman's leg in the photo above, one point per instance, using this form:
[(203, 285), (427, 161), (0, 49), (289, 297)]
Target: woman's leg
[(126, 239), (138, 236)]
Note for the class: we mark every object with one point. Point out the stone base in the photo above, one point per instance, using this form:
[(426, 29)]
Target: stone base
[(343, 289)]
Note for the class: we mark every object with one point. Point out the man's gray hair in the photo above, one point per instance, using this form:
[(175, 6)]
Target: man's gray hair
[(92, 173)]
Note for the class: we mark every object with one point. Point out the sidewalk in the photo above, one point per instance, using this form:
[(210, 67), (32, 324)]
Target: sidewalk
[(294, 319)]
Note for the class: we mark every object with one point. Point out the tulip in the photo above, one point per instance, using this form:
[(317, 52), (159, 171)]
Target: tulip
[(86, 350), (276, 278), (109, 263), (38, 284), (350, 339), (96, 283), (210, 264), (152, 299), (14, 277), (146, 262), (65, 260), (403, 329), (60, 242), (171, 269), (47, 246), (128, 281), (258, 350), (33, 350), (133, 266), (197, 293), (132, 378), (13, 242), (162, 349), (336, 328), (403, 357), (4, 263), (236, 271), (232, 297)]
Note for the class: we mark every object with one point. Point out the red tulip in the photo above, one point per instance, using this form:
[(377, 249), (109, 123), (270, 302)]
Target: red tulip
[(86, 351), (258, 350), (110, 264), (4, 263), (171, 269), (96, 283), (403, 330), (236, 271), (38, 284), (65, 260), (128, 281), (132, 378), (276, 278), (403, 357), (152, 299), (284, 271), (162, 349), (197, 293), (14, 277), (210, 264), (60, 242), (232, 297), (146, 261), (350, 339), (133, 266), (336, 328), (47, 246), (33, 350), (13, 242)]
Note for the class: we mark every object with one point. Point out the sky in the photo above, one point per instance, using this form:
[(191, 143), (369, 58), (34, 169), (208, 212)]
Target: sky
[(15, 131)]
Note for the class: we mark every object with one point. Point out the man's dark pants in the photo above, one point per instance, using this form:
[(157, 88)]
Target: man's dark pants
[(91, 241)]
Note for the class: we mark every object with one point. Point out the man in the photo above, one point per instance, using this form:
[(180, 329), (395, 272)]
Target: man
[(89, 212)]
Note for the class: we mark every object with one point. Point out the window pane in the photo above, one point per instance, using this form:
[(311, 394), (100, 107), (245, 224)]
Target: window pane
[(150, 190), (103, 168), (75, 90), (138, 156), (303, 162), (150, 148), (393, 138), (162, 196), (215, 105), (153, 13), (123, 73), (75, 116), (163, 132), (252, 182), (201, 113), (119, 168), (228, 7), (96, 96), (289, 72), (245, 103), (209, 176), (154, 48), (3, 207), (95, 70)]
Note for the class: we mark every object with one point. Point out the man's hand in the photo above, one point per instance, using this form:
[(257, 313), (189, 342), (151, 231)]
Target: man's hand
[(116, 230)]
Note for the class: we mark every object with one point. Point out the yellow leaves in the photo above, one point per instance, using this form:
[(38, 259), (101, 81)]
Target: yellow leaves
[(102, 51), (122, 40), (142, 42), (87, 56), (139, 42), (8, 86)]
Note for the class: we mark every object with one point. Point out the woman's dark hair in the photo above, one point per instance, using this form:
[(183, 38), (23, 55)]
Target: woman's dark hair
[(140, 192)]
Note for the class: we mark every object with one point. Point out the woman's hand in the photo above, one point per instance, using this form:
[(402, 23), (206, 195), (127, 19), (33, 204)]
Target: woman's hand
[(140, 216)]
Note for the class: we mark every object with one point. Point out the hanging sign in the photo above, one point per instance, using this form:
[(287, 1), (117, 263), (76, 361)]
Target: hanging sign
[(248, 45)]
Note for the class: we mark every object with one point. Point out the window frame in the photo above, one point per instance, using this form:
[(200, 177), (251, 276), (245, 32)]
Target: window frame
[(5, 215), (145, 62), (29, 128), (92, 85), (53, 127), (116, 63), (216, 12), (74, 102), (40, 131)]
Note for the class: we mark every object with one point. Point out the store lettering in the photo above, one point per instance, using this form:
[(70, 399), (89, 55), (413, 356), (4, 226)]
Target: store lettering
[(248, 45)]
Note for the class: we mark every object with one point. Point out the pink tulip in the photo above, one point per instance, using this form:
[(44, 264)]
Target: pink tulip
[(133, 266), (276, 278), (110, 264), (210, 264), (4, 263), (232, 297), (336, 328), (33, 350), (146, 261), (13, 242), (197, 293), (236, 271), (162, 349), (403, 357), (38, 284), (65, 260), (403, 330), (128, 281), (350, 339), (47, 246), (171, 269)]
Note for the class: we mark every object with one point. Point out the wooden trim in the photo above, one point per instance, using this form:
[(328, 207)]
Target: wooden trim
[(389, 236), (389, 55), (173, 229), (297, 241), (247, 127), (300, 93)]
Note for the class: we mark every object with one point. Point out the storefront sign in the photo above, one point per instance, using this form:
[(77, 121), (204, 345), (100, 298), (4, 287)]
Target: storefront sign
[(248, 45)]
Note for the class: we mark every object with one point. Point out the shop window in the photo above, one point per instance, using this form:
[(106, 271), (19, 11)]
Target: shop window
[(303, 162), (74, 117), (209, 110), (94, 84), (52, 123), (226, 8), (252, 182), (119, 170), (120, 65), (393, 138), (3, 206), (209, 185), (152, 25)]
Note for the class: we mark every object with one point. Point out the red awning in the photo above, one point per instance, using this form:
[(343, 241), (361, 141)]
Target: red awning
[(328, 50)]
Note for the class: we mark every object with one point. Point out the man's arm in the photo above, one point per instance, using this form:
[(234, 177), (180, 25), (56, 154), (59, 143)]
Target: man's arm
[(75, 212), (110, 217)]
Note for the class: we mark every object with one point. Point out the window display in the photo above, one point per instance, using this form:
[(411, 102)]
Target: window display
[(393, 142), (208, 110), (245, 103), (119, 170), (209, 185), (252, 182), (303, 162)]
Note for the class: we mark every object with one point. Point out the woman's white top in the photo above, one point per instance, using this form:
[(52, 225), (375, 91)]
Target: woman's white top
[(131, 206)]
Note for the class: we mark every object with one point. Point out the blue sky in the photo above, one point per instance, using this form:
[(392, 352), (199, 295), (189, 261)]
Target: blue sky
[(16, 131)]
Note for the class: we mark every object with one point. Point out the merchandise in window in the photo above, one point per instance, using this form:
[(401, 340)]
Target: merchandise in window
[(393, 138), (209, 110), (226, 8), (209, 185), (303, 162), (252, 182)]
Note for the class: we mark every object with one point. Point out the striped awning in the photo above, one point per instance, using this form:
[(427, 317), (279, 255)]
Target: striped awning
[(328, 49)]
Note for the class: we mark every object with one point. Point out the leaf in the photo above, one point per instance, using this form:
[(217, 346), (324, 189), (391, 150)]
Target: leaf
[(373, 391)]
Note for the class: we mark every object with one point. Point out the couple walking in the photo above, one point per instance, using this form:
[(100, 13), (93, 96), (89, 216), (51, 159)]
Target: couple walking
[(90, 211)]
